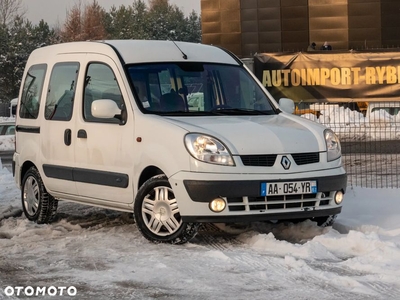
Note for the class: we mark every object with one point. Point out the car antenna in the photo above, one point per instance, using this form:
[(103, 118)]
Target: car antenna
[(184, 55)]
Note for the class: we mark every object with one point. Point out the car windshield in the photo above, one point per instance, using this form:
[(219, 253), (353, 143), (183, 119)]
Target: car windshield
[(198, 89)]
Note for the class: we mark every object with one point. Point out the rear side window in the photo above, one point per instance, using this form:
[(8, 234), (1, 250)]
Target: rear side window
[(32, 91), (61, 91)]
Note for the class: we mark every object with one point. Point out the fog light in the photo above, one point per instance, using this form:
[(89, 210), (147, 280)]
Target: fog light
[(338, 197), (217, 205)]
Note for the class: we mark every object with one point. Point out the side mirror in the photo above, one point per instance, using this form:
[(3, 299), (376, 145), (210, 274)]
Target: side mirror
[(287, 105), (105, 109)]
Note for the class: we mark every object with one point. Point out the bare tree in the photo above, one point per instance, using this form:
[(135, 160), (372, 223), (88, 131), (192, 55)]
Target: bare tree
[(9, 9), (84, 22), (92, 23), (72, 30)]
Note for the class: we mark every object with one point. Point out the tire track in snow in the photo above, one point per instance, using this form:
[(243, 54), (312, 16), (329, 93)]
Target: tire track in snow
[(212, 237), (385, 290), (303, 277)]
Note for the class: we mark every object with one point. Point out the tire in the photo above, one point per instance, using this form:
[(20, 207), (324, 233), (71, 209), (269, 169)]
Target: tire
[(157, 214), (38, 205)]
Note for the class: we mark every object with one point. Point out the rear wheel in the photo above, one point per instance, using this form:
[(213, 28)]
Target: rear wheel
[(157, 213), (37, 204)]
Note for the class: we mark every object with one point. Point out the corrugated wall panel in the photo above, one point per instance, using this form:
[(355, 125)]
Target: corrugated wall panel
[(249, 26), (221, 24), (364, 23), (390, 19), (328, 21)]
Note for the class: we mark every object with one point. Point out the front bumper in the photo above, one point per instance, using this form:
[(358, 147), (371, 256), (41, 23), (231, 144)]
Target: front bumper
[(304, 214), (205, 191), (194, 191)]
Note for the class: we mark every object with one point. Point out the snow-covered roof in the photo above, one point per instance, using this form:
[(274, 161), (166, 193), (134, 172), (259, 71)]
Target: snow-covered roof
[(133, 51), (142, 51)]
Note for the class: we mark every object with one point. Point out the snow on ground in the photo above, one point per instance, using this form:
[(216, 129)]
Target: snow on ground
[(7, 142), (101, 254)]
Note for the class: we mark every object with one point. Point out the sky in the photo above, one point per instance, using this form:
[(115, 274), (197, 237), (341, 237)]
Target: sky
[(100, 254), (54, 11)]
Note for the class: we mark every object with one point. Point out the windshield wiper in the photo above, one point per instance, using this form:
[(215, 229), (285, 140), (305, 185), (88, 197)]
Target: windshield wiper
[(218, 112), (248, 111)]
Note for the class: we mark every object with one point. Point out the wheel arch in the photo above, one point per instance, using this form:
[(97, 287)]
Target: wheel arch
[(148, 173), (156, 212), (25, 167)]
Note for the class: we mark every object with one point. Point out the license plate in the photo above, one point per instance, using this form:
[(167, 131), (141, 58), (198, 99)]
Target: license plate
[(288, 188)]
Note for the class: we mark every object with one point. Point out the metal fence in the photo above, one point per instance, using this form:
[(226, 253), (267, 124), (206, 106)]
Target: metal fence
[(370, 139)]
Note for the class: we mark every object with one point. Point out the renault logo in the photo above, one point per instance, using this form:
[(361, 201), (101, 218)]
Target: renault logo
[(285, 162)]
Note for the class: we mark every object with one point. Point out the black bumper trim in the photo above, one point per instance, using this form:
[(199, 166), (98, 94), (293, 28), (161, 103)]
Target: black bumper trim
[(306, 214), (205, 191), (105, 178)]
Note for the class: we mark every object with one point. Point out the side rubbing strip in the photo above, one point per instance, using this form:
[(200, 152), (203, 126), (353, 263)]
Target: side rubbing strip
[(101, 177), (28, 129), (58, 172), (87, 176)]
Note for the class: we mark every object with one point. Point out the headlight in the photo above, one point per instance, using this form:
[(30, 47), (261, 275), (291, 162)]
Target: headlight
[(332, 145), (208, 149)]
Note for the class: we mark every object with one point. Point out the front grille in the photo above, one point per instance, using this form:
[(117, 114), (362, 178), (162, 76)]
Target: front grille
[(279, 202), (267, 160), (306, 158)]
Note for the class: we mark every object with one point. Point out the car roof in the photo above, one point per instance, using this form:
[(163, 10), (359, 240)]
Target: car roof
[(143, 51), (154, 51)]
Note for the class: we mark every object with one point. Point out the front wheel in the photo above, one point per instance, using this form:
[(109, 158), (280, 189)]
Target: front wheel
[(37, 204), (157, 213)]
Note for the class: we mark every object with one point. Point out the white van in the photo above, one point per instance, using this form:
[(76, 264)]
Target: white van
[(108, 124)]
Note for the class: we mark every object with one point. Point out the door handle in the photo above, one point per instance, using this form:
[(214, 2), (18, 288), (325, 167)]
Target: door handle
[(67, 137), (82, 134)]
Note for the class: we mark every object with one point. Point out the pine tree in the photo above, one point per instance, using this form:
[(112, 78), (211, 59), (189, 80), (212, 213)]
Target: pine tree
[(18, 37), (140, 25), (119, 22), (17, 41), (159, 21), (166, 21), (19, 45), (4, 64), (192, 32)]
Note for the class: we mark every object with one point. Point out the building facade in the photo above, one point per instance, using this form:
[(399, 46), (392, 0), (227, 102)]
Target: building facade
[(249, 26)]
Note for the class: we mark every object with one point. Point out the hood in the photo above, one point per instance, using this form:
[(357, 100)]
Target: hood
[(245, 135)]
